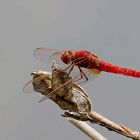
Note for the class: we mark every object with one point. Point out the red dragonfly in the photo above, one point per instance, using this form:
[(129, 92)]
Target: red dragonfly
[(84, 59)]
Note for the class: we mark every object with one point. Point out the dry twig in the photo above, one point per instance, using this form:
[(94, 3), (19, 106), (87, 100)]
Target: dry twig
[(95, 117), (88, 130), (69, 96)]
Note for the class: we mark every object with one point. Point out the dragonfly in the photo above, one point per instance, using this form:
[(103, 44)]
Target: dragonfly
[(83, 59)]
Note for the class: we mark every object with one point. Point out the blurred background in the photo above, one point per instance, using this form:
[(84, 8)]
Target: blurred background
[(111, 29)]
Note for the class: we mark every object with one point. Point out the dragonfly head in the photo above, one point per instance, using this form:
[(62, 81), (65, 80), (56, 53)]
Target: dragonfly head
[(67, 56)]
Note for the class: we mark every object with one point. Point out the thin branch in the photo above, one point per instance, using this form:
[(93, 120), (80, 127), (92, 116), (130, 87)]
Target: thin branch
[(88, 130), (73, 99), (95, 117), (119, 128)]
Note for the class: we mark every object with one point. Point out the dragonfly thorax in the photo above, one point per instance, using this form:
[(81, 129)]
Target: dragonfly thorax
[(86, 59)]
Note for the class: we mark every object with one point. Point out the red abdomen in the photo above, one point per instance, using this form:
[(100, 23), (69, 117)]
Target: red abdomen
[(107, 67)]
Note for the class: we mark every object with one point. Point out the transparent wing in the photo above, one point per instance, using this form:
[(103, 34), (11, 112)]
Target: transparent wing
[(43, 99), (30, 88), (44, 54), (91, 74), (83, 75), (56, 89), (47, 55), (77, 81)]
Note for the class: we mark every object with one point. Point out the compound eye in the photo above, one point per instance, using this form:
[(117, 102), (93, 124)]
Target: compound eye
[(66, 57), (70, 54)]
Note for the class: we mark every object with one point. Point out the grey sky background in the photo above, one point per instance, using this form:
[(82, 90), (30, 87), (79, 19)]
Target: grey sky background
[(109, 28)]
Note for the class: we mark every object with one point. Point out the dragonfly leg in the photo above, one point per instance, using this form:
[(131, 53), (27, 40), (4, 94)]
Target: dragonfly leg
[(82, 75), (72, 66), (69, 68)]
